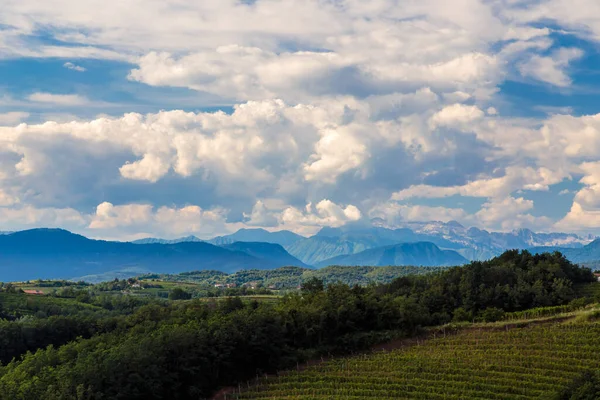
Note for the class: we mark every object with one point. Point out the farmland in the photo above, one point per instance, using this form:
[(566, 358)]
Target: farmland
[(484, 361), (463, 332)]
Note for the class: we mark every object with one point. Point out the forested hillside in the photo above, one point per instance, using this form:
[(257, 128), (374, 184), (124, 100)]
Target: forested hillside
[(137, 348), (286, 278)]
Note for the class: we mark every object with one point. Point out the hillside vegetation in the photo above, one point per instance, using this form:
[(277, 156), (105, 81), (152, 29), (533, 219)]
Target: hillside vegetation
[(293, 277), (125, 347), (538, 361)]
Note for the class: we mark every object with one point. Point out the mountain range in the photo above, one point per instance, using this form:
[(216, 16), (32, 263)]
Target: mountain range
[(424, 254), (283, 238), (471, 243), (588, 254), (56, 253)]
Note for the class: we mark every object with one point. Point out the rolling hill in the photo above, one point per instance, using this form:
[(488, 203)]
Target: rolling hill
[(419, 254)]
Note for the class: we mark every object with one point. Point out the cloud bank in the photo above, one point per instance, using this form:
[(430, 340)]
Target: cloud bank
[(343, 111)]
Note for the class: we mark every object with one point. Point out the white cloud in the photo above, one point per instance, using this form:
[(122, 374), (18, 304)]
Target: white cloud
[(74, 67), (261, 215), (551, 69), (150, 168), (491, 111), (356, 102), (324, 213), (13, 117), (133, 219), (335, 153), (504, 214), (515, 178), (59, 99), (579, 219), (456, 114), (394, 214), (27, 216), (508, 213)]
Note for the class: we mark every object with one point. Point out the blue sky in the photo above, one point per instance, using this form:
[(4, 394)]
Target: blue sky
[(123, 120)]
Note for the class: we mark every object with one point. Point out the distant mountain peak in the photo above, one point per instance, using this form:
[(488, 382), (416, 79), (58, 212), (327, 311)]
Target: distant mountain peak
[(185, 239), (283, 237)]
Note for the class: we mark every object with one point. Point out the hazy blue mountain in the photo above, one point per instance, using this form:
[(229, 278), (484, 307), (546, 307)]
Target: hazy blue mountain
[(479, 244), (190, 238), (332, 242), (418, 254), (283, 238), (588, 254), (318, 248), (55, 253), (268, 251)]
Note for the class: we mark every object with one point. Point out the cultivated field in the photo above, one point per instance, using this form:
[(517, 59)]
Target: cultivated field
[(483, 361)]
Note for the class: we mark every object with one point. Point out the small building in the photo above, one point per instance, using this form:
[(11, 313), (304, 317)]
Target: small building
[(219, 285), (597, 275), (29, 291), (251, 285)]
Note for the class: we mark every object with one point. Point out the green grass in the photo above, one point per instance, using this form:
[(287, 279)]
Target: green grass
[(28, 304), (479, 362)]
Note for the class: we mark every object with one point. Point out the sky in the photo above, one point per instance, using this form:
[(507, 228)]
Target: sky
[(126, 119)]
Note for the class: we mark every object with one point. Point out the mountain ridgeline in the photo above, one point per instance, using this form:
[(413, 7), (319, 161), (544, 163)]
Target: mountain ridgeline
[(91, 345), (421, 253), (59, 254), (55, 253)]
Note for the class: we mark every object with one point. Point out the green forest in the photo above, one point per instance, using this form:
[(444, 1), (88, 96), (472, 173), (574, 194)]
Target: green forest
[(91, 343)]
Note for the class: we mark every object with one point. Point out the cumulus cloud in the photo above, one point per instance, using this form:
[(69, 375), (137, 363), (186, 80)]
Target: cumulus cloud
[(456, 114), (324, 213), (13, 117), (395, 214), (515, 178), (27, 216), (261, 215), (134, 219), (551, 69), (365, 104), (74, 67), (585, 210)]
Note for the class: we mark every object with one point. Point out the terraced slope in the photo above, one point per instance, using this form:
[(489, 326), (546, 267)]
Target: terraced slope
[(520, 363)]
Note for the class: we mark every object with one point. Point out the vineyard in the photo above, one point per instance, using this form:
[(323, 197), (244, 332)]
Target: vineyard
[(481, 362)]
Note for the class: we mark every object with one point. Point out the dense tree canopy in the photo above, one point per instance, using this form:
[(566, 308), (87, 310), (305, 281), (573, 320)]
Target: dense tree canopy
[(115, 348)]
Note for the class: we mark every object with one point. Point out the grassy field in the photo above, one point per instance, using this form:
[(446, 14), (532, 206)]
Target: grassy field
[(29, 304), (533, 360)]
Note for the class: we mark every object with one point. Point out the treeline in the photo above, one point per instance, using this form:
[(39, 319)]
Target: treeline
[(28, 323), (187, 350), (292, 277)]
